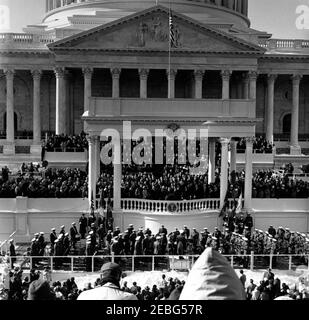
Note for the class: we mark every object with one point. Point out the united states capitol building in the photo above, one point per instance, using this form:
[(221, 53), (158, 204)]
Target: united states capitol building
[(90, 65)]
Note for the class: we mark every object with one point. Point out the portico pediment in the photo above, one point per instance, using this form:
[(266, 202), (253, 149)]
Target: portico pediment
[(149, 30)]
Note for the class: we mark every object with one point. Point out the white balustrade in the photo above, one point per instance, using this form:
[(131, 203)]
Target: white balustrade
[(27, 38), (158, 206), (283, 44)]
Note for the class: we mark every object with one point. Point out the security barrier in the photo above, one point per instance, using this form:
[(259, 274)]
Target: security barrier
[(155, 262)]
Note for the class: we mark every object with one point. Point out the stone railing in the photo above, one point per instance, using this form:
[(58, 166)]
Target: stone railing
[(158, 206), (284, 44), (26, 39)]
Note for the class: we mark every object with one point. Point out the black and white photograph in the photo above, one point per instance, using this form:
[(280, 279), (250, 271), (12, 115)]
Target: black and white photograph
[(154, 151)]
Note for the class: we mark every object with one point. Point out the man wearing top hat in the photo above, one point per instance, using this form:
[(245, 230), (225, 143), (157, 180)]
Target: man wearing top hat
[(162, 230), (74, 235), (52, 239), (12, 253), (82, 226), (272, 231)]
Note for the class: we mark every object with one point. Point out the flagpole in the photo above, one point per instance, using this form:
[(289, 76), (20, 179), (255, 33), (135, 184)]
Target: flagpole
[(169, 52)]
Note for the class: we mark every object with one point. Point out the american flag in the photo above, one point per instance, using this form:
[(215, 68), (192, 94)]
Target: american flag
[(172, 32)]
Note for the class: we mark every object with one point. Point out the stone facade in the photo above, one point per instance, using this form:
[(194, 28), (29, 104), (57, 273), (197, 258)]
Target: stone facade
[(128, 58)]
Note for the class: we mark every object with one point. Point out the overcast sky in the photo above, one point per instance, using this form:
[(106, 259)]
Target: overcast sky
[(274, 16)]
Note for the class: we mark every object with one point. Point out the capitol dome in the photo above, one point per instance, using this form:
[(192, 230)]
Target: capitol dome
[(84, 14)]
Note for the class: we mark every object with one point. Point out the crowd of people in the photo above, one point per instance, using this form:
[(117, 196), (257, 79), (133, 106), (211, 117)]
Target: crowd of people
[(272, 184), (176, 183), (165, 182), (66, 143), (112, 285), (38, 285), (260, 145), (51, 183), (272, 288)]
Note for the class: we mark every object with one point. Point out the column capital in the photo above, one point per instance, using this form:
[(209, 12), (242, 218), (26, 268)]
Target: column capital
[(199, 74), (59, 72), (88, 72), (224, 141), (245, 77), (271, 77), (249, 140), (226, 74), (115, 73), (296, 78), (9, 73), (253, 75), (171, 73), (36, 74), (143, 73), (91, 139)]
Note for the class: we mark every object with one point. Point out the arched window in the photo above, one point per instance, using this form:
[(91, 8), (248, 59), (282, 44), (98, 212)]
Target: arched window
[(286, 124), (15, 122)]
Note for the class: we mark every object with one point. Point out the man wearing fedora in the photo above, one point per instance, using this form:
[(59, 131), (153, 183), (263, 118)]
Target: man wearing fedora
[(110, 286)]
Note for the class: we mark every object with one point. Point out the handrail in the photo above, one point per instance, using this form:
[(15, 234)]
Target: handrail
[(186, 261)]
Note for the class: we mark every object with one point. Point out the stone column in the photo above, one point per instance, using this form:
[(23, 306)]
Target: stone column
[(271, 79), (239, 93), (233, 156), (60, 101), (295, 148), (252, 84), (36, 145), (198, 77), (212, 161), (88, 72), (171, 75), (87, 86), (224, 170), (143, 76), (246, 86), (116, 76), (10, 130), (117, 173), (230, 4), (97, 157), (91, 169), (248, 177), (226, 75), (66, 102), (245, 7)]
